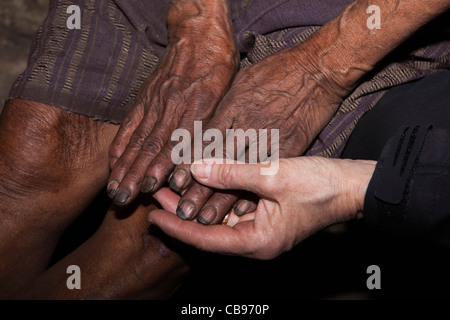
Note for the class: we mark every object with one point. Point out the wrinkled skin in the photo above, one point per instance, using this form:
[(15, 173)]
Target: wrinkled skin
[(324, 192), (188, 85), (195, 73), (296, 91), (299, 108), (52, 165)]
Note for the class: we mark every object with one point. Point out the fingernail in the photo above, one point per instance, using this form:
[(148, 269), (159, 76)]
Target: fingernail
[(201, 170), (179, 180), (148, 184), (112, 187), (242, 207), (121, 197), (207, 215), (185, 210)]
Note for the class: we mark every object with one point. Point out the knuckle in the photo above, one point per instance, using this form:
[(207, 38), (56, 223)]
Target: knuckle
[(153, 144), (198, 193), (223, 199), (114, 150), (133, 176), (45, 148), (226, 174), (159, 169), (137, 139), (128, 123), (165, 157)]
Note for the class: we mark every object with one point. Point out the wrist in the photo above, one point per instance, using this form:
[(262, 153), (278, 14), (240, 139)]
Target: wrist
[(190, 18), (346, 48), (354, 177), (203, 26), (331, 61)]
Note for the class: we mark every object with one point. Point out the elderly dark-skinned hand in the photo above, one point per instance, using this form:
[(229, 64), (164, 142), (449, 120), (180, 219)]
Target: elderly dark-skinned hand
[(298, 90), (193, 76), (283, 95)]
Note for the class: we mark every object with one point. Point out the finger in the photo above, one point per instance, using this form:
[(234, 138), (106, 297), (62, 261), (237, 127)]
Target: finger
[(130, 185), (235, 176), (217, 238), (181, 178), (234, 219), (167, 199), (196, 195), (217, 207), (247, 203), (193, 200), (123, 135), (176, 150), (207, 141), (127, 159)]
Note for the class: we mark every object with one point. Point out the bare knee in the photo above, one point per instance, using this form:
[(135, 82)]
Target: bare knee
[(52, 164), (44, 148)]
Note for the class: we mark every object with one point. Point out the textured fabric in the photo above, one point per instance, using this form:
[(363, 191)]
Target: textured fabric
[(409, 190), (425, 54), (97, 70), (252, 18)]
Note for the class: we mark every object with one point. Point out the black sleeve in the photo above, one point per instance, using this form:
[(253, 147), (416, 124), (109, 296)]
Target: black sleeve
[(409, 193)]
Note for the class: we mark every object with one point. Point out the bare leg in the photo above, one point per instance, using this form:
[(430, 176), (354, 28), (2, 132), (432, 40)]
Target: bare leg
[(52, 165), (124, 259)]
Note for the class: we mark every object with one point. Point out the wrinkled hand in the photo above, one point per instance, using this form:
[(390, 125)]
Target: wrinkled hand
[(187, 85), (306, 195), (287, 92)]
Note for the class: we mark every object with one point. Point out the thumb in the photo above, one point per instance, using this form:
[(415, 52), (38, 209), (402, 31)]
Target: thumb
[(234, 176)]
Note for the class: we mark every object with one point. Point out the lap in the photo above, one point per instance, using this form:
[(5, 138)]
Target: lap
[(421, 102), (96, 70)]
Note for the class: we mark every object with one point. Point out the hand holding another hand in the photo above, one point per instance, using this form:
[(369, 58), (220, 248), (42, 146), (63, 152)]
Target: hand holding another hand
[(285, 92), (306, 195)]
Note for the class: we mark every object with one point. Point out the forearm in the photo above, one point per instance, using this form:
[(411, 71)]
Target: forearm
[(352, 180), (345, 49), (208, 21)]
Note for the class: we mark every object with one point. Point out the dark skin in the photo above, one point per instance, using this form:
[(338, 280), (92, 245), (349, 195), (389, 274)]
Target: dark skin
[(126, 258), (277, 93), (256, 102), (52, 165), (194, 75), (337, 56)]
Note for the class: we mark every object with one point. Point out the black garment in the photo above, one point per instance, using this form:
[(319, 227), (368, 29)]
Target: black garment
[(408, 132)]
